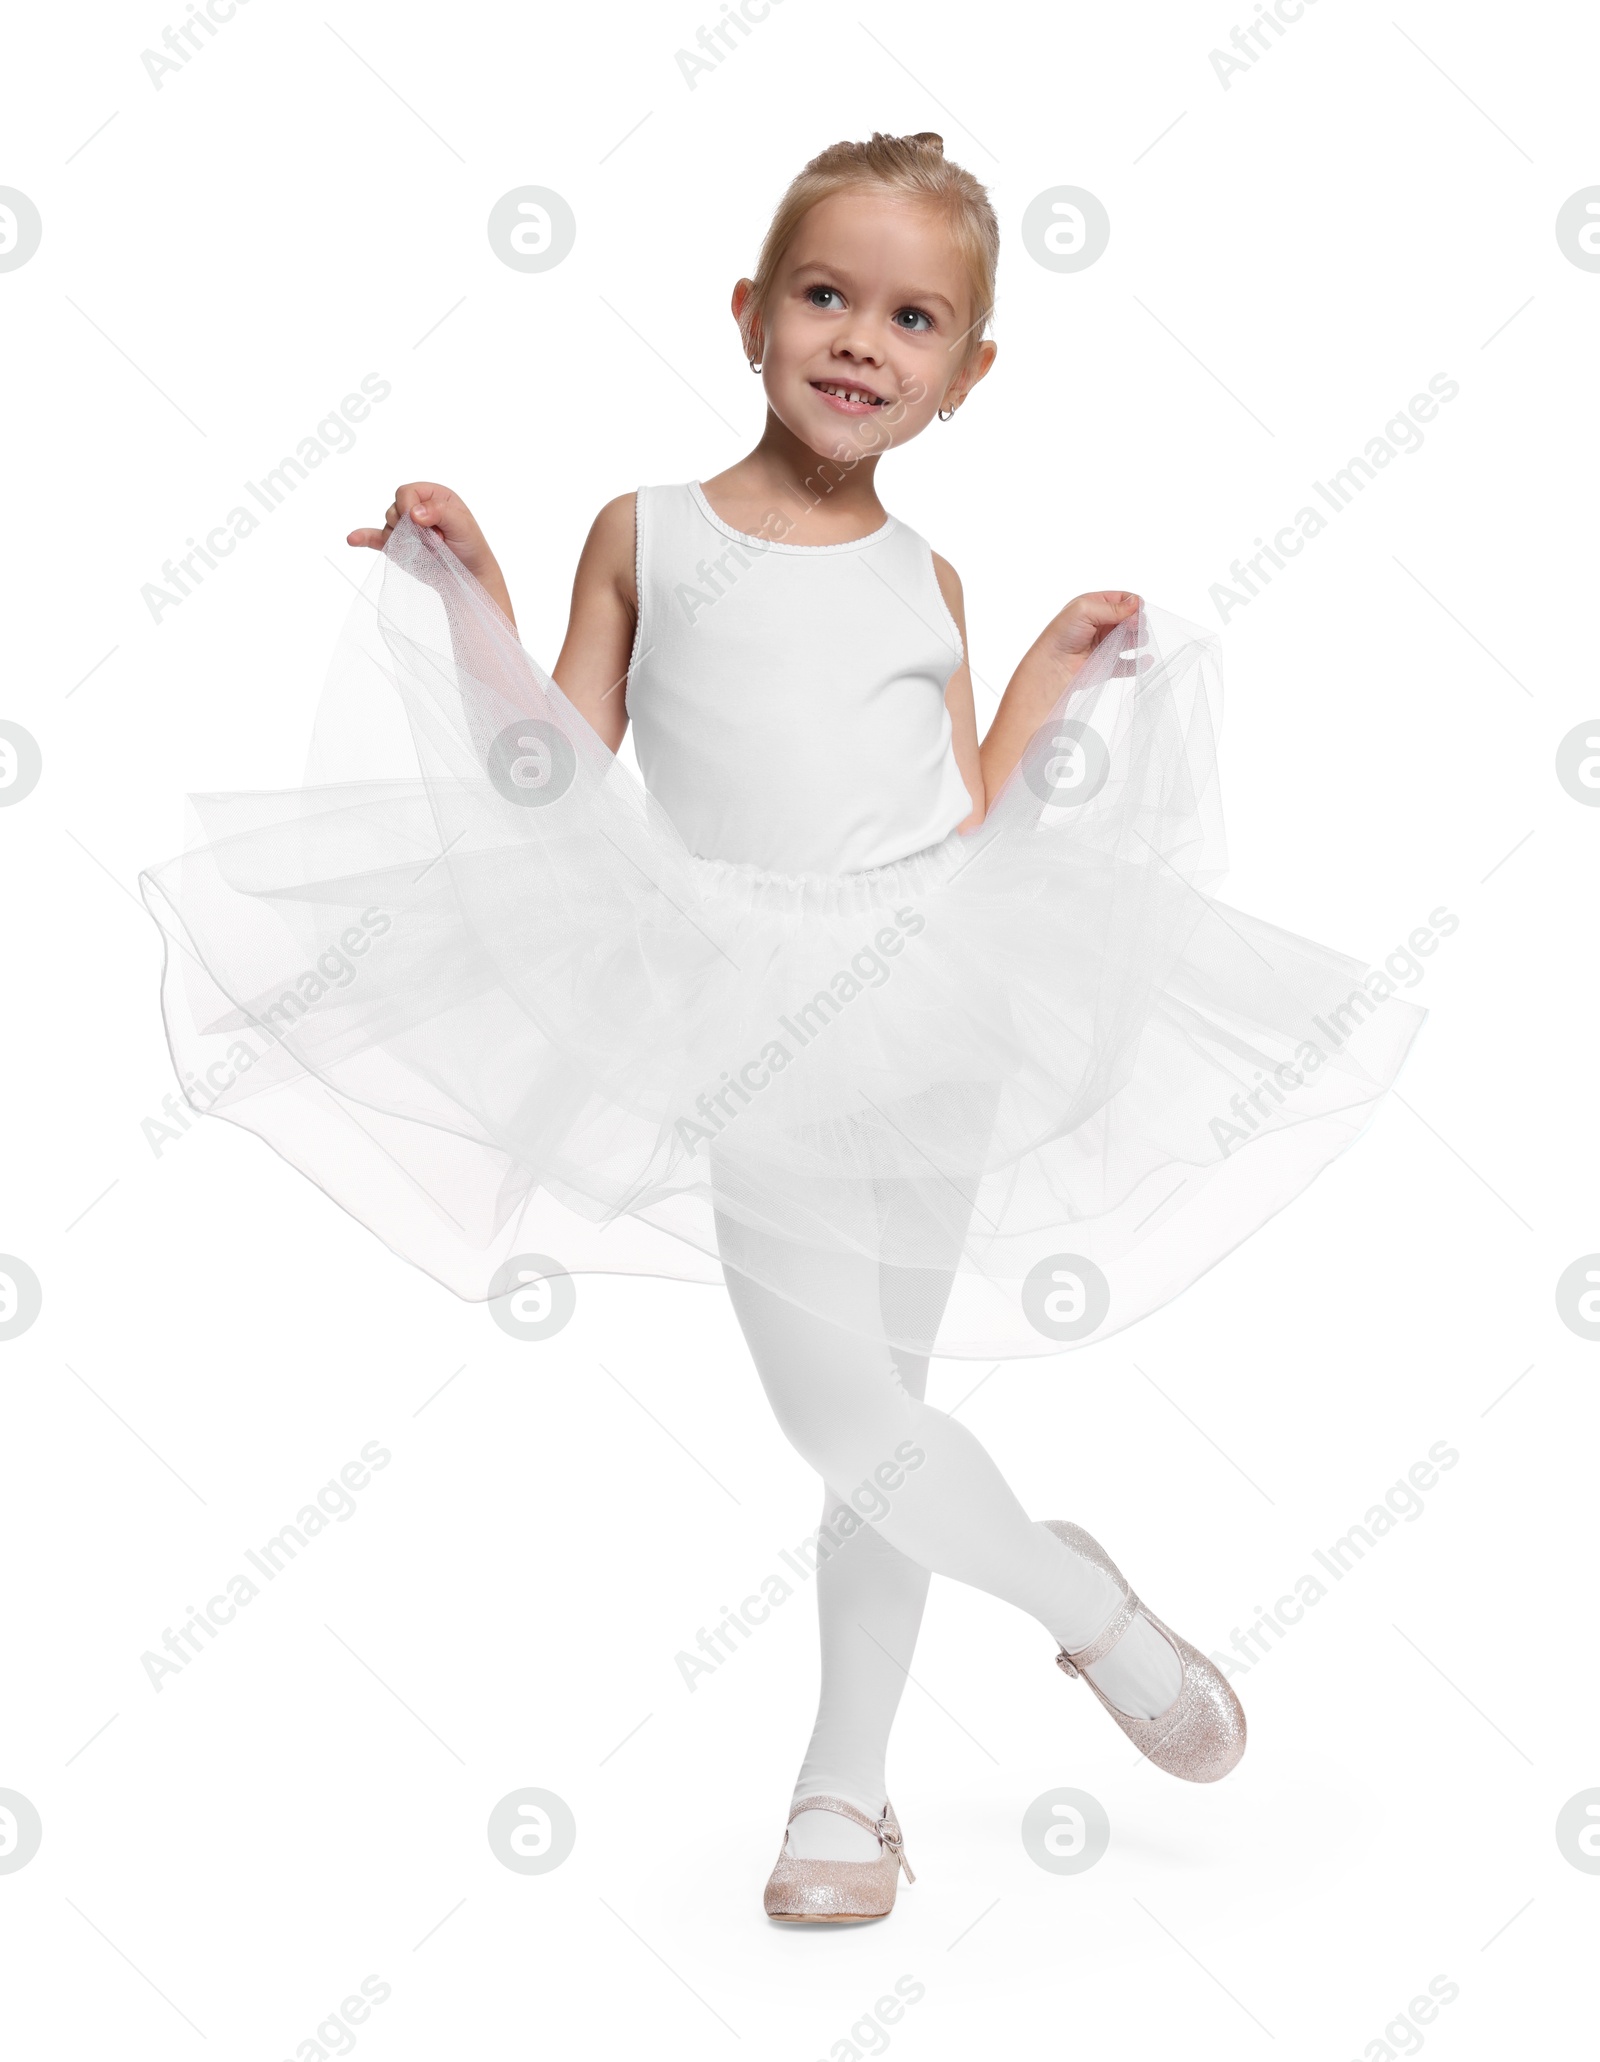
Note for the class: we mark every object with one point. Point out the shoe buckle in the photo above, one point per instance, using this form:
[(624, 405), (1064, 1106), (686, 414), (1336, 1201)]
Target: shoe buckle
[(889, 1833), (1065, 1664)]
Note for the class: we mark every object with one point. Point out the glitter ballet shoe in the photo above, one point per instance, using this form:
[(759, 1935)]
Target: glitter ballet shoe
[(1201, 1734), (821, 1890)]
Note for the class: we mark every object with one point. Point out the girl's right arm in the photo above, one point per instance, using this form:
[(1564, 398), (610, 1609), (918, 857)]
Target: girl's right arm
[(592, 667)]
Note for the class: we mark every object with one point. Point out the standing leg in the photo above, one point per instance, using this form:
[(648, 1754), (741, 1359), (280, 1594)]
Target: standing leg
[(869, 1611), (870, 1597)]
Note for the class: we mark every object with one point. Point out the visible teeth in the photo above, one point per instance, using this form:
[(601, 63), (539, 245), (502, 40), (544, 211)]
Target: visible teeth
[(849, 393)]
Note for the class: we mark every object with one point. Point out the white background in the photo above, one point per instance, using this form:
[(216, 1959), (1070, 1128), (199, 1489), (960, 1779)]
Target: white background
[(224, 1860)]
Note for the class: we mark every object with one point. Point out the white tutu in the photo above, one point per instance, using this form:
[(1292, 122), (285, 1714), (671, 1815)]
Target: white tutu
[(471, 981)]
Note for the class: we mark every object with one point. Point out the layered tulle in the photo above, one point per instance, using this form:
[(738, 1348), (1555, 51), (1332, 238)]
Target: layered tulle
[(471, 981)]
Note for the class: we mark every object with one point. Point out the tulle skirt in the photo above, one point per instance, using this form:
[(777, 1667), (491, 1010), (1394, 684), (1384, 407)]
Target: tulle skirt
[(471, 981)]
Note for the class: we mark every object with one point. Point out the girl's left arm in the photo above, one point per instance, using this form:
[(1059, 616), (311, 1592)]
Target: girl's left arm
[(958, 700), (1047, 670)]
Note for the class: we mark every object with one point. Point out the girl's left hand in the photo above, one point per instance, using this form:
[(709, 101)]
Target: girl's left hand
[(1084, 621)]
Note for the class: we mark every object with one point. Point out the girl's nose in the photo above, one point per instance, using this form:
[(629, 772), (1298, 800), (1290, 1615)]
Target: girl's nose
[(861, 347)]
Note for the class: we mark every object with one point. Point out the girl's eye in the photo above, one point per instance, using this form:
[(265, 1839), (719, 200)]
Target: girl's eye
[(914, 321)]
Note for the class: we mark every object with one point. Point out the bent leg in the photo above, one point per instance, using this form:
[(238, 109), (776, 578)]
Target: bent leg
[(931, 1489)]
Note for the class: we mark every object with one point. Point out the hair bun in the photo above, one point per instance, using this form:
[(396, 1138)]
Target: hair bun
[(928, 137)]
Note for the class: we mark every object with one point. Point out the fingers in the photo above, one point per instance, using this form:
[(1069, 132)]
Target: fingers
[(1103, 612), (1110, 607), (422, 500), (375, 540), (427, 504)]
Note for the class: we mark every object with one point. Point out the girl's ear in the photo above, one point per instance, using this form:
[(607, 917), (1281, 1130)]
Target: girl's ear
[(960, 388), (742, 291)]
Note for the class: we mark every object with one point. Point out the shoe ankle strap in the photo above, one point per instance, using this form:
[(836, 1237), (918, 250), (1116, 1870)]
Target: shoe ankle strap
[(1073, 1660), (838, 1804), (886, 1826)]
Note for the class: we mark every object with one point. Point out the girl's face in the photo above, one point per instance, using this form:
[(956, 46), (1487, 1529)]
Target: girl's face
[(867, 325)]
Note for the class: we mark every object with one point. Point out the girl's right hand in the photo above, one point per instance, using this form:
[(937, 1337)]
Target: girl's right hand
[(437, 508)]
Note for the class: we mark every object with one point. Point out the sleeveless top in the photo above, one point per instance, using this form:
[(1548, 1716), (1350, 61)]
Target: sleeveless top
[(787, 700)]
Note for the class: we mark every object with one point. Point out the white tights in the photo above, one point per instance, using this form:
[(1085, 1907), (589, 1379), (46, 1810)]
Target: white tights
[(854, 1408)]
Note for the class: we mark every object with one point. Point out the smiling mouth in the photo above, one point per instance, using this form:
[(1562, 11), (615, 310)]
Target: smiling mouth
[(853, 399)]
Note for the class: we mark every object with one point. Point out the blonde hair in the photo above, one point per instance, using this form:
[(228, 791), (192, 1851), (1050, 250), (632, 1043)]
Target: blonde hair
[(912, 165)]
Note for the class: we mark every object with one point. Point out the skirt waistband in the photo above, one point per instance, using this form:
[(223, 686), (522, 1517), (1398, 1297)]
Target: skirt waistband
[(871, 887)]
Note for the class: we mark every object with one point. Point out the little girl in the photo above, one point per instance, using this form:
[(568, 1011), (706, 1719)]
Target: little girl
[(920, 1042)]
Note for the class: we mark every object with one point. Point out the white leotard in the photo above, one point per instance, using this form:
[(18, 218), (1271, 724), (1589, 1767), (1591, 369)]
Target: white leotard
[(787, 700)]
